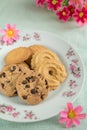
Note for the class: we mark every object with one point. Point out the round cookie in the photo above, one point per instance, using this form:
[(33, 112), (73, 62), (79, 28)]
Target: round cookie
[(9, 76), (32, 88), (16, 68), (16, 55), (7, 83)]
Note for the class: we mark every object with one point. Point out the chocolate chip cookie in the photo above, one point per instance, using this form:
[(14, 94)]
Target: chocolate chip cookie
[(9, 76), (32, 88)]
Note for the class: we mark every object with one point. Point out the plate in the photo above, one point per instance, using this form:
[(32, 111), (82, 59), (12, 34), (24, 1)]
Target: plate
[(13, 109)]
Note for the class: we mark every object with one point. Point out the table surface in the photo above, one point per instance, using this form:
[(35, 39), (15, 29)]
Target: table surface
[(26, 15)]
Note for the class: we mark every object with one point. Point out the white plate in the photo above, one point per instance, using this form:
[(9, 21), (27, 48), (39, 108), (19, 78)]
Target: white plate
[(13, 109)]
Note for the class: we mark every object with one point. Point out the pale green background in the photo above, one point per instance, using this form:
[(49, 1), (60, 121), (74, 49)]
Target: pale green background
[(26, 15)]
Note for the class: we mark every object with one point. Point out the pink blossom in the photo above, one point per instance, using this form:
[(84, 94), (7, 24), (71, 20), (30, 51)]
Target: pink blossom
[(71, 116), (10, 34), (76, 3), (63, 14), (72, 67), (15, 114), (71, 9), (80, 16), (9, 108), (40, 2), (30, 115), (54, 4)]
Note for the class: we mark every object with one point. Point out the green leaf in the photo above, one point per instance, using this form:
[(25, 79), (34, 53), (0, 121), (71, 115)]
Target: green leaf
[(65, 3)]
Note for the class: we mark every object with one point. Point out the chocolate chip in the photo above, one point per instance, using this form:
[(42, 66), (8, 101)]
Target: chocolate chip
[(24, 97), (39, 75), (34, 91), (42, 96), (46, 82), (8, 81), (32, 78), (47, 87), (27, 86), (2, 75), (51, 72), (19, 69), (28, 79), (12, 69), (2, 85), (24, 82)]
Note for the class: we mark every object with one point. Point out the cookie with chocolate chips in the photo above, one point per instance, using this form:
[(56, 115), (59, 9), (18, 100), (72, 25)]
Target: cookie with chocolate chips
[(9, 76), (32, 88), (7, 83)]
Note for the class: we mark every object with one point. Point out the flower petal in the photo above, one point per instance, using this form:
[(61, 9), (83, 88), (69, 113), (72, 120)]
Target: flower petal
[(4, 38), (8, 26), (16, 37), (14, 27), (62, 120), (69, 123), (10, 41), (82, 116), (63, 114), (3, 31), (70, 106), (76, 122), (78, 109)]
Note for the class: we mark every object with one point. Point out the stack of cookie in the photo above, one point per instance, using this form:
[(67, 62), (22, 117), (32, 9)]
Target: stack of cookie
[(31, 73)]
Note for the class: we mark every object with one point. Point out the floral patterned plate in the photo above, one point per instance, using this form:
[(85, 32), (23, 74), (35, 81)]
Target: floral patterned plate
[(13, 109)]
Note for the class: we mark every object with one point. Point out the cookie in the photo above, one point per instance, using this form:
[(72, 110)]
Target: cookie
[(16, 55), (16, 68), (44, 55), (49, 65), (32, 88), (32, 50), (7, 83), (9, 76)]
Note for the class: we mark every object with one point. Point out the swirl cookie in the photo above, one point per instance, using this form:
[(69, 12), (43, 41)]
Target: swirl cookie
[(9, 76), (32, 88), (50, 67), (32, 50), (16, 55), (44, 55)]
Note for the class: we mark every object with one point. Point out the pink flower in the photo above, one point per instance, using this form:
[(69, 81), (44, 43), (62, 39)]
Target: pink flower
[(54, 4), (10, 34), (80, 16), (9, 108), (76, 3), (63, 14), (71, 9), (15, 114), (71, 116), (30, 115), (40, 2)]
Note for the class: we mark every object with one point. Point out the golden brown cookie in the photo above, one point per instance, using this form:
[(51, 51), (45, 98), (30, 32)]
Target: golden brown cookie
[(17, 67), (49, 65), (16, 55), (7, 83), (32, 88), (32, 50), (9, 76)]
